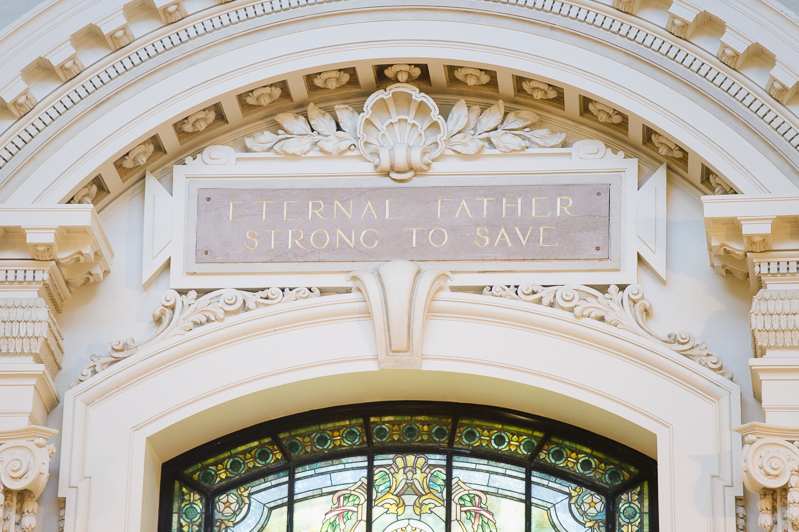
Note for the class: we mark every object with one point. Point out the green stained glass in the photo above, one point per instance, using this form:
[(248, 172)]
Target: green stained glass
[(632, 513), (331, 496), (585, 462), (258, 506), (496, 437), (410, 492), (187, 509), (558, 500), (235, 462), (325, 437), (410, 430), (486, 495)]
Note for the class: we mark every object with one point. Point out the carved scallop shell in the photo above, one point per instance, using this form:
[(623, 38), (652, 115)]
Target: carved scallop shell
[(401, 131)]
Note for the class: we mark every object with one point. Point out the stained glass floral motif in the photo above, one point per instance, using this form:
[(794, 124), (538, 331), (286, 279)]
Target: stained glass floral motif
[(633, 510), (325, 437), (410, 430), (253, 507), (573, 506), (486, 495), (496, 437), (235, 462), (331, 496), (585, 462), (409, 493), (187, 510)]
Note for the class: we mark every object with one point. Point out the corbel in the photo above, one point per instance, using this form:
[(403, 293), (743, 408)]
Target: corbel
[(170, 11), (17, 96), (627, 6), (42, 242), (683, 19), (757, 232), (782, 82), (733, 48), (115, 29), (65, 61)]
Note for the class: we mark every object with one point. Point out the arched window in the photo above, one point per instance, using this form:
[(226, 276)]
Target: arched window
[(410, 467)]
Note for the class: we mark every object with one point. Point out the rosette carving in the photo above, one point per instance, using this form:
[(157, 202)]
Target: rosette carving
[(179, 314), (627, 310)]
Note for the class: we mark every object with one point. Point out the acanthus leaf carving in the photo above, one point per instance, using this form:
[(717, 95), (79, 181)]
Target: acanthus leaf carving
[(331, 79), (198, 121), (404, 151), (138, 155), (667, 147), (627, 310), (471, 76), (605, 113), (179, 314), (403, 73), (263, 96), (85, 196)]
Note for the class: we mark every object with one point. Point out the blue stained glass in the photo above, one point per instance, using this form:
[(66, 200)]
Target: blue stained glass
[(575, 507), (257, 506)]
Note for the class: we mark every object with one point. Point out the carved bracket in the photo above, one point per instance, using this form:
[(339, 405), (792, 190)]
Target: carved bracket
[(24, 471), (398, 295)]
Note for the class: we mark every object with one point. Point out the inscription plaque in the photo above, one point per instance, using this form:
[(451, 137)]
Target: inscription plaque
[(439, 223)]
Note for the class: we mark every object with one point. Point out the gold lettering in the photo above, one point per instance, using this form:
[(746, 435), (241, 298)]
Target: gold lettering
[(273, 235), (231, 212), (439, 204), (463, 207), (311, 210), (264, 202), (541, 237), (565, 206), (430, 237), (369, 208), (254, 239), (387, 216), (503, 236), (481, 235), (414, 229), (518, 206), (485, 205), (535, 205), (336, 205), (286, 210), (524, 240), (364, 243), (347, 240), (297, 240), (327, 238)]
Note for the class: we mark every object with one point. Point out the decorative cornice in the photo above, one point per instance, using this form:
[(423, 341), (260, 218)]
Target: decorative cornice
[(643, 34), (179, 314), (627, 310)]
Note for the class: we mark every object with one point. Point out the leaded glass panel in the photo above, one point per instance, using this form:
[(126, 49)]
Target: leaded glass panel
[(331, 496), (187, 509), (324, 438), (410, 430), (455, 470), (558, 504), (585, 462), (633, 510), (246, 458), (410, 493), (258, 506), (487, 495), (496, 437)]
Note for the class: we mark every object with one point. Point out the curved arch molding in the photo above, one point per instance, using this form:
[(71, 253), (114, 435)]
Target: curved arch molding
[(323, 351), (736, 127)]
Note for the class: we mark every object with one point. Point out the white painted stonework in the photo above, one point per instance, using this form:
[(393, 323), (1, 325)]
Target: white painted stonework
[(117, 353)]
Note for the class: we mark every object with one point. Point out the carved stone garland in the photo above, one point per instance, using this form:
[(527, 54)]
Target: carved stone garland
[(180, 314), (627, 310), (401, 131)]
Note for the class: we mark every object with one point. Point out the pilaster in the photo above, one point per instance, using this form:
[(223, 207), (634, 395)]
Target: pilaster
[(756, 238), (46, 252)]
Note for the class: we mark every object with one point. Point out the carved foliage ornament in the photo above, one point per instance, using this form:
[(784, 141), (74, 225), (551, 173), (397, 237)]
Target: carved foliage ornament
[(627, 310), (263, 96), (605, 113), (401, 131), (539, 90), (403, 73), (667, 147), (138, 155), (180, 314), (198, 121), (331, 79), (472, 76)]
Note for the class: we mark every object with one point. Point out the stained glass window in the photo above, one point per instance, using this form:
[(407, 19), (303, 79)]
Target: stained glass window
[(398, 467)]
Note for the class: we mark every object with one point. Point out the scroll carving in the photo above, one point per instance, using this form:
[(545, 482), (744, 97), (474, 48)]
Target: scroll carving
[(627, 310), (24, 471), (179, 314)]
